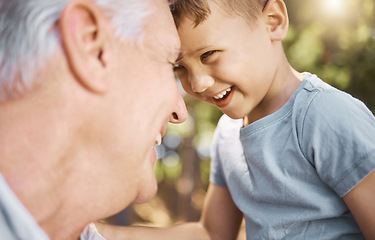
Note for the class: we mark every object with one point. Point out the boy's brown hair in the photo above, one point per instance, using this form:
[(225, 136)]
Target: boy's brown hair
[(198, 10)]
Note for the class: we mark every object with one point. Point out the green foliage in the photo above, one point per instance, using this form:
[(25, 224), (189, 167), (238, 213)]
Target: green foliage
[(335, 39)]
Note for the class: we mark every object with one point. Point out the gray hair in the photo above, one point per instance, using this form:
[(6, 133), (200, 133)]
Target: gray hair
[(27, 36)]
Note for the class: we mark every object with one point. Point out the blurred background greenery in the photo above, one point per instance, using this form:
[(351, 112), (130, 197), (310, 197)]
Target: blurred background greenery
[(334, 39)]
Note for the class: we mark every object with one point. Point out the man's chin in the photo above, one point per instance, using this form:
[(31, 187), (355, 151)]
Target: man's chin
[(146, 195)]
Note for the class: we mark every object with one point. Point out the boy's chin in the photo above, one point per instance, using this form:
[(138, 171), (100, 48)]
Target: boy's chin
[(233, 115)]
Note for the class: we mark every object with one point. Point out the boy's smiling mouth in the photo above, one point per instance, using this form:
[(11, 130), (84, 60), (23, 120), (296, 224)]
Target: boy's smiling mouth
[(222, 99), (224, 94)]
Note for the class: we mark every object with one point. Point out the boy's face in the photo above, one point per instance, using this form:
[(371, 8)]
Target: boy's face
[(227, 63)]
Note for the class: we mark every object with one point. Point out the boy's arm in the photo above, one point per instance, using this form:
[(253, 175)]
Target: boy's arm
[(361, 203), (186, 231), (220, 216), (220, 220)]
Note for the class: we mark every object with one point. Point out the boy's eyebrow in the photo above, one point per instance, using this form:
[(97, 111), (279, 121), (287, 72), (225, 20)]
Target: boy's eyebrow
[(180, 56), (201, 48)]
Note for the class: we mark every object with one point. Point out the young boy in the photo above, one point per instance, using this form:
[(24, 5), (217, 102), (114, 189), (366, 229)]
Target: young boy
[(298, 163)]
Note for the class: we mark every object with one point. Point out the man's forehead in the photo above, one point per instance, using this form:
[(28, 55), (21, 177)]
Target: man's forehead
[(160, 34), (171, 44)]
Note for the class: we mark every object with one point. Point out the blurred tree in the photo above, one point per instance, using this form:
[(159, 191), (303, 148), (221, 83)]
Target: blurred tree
[(334, 39)]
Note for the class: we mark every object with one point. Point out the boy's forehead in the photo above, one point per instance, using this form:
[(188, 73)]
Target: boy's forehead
[(208, 34), (199, 11)]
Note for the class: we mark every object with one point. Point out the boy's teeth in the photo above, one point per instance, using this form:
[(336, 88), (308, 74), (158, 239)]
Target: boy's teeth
[(158, 140), (222, 94)]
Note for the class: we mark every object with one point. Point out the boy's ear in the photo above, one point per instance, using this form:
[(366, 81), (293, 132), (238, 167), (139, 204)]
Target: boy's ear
[(83, 35), (276, 18)]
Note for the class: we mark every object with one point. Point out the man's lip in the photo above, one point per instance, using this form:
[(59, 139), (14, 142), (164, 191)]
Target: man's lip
[(154, 157)]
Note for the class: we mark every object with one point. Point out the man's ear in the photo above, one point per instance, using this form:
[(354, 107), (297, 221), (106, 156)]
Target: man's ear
[(83, 34), (276, 18)]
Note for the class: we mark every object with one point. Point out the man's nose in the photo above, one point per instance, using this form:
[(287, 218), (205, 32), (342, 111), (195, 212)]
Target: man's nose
[(199, 83), (179, 114)]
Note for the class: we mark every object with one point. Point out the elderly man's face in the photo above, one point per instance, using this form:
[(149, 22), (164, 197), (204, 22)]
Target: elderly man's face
[(147, 96)]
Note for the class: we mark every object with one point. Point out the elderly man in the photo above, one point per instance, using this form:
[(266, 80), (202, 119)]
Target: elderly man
[(87, 90)]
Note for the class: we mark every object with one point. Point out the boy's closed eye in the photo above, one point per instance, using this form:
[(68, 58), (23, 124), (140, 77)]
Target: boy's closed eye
[(203, 58), (206, 55)]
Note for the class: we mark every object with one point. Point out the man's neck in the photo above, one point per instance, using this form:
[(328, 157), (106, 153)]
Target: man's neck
[(40, 178)]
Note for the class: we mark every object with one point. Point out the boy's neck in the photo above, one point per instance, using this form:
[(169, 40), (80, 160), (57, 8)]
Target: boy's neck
[(285, 84)]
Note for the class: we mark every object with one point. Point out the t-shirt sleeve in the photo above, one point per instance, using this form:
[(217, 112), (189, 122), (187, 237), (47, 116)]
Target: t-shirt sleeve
[(338, 138), (216, 174)]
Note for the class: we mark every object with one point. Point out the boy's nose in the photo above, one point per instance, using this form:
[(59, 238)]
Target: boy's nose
[(179, 114), (201, 83)]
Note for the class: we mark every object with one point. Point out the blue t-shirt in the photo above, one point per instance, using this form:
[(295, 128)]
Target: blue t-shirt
[(288, 171)]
